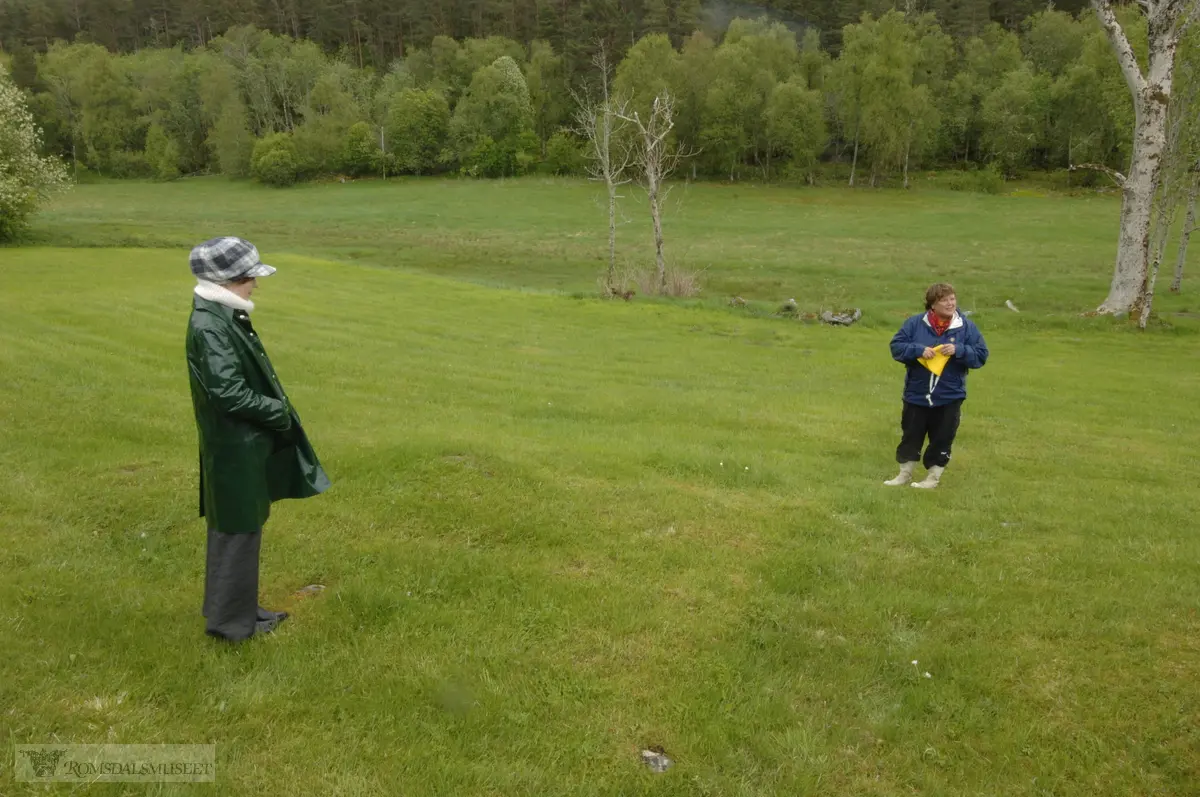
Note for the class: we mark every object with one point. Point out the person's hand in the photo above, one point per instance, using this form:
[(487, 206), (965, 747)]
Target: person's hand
[(947, 349), (928, 354)]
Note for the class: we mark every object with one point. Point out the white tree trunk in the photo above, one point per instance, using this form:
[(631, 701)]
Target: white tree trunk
[(1125, 293), (1147, 300), (606, 166), (1189, 224), (908, 150), (854, 161), (612, 234), (1162, 228), (1151, 96), (658, 160), (660, 260), (1070, 156), (600, 125), (383, 150)]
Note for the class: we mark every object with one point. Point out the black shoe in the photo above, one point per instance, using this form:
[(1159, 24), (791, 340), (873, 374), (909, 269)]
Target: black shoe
[(231, 640), (265, 626), (267, 614)]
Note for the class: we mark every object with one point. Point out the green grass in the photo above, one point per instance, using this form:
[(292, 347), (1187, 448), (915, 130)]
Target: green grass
[(824, 247), (564, 529)]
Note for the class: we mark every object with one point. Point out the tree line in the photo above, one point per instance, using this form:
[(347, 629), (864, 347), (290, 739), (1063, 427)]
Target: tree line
[(376, 32), (762, 98), (761, 101)]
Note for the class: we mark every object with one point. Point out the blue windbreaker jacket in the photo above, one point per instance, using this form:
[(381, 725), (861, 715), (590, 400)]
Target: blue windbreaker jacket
[(921, 386)]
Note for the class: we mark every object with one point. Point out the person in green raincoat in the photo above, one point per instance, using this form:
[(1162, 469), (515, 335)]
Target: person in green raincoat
[(253, 450)]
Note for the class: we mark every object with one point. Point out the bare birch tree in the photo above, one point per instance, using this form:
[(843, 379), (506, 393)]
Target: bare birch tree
[(1173, 175), (1189, 160), (602, 124), (1151, 92), (657, 157), (1176, 180), (1189, 226)]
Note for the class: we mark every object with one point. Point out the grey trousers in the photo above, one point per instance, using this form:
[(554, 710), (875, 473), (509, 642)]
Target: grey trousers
[(231, 584)]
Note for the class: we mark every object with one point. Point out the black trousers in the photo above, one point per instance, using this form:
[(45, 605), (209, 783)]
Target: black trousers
[(939, 424), (231, 584)]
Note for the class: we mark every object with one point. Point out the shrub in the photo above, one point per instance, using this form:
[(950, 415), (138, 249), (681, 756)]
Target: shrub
[(26, 179), (162, 154), (564, 155), (360, 154), (126, 163), (989, 180), (681, 283), (508, 158), (274, 161), (983, 181)]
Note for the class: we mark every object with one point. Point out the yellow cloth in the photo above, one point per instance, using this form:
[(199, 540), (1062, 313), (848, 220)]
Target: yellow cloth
[(937, 362)]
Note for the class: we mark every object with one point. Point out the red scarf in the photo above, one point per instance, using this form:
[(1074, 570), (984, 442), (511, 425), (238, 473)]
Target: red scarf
[(939, 326)]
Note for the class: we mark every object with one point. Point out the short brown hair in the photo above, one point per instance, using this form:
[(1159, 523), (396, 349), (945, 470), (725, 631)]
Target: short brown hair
[(937, 292)]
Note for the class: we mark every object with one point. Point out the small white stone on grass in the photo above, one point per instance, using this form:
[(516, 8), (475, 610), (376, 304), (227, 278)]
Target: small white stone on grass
[(658, 762)]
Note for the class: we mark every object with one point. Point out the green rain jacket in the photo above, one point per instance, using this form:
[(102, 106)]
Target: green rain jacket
[(253, 449)]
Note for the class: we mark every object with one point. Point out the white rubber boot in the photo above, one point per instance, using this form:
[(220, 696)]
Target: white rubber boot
[(931, 479), (904, 476)]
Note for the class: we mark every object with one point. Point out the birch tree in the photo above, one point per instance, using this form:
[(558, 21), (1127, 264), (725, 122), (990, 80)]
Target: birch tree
[(1188, 56), (753, 59), (887, 96), (796, 126), (1013, 118), (27, 179), (987, 59), (492, 126), (647, 70), (656, 159), (858, 42), (732, 110), (814, 63), (1174, 173), (547, 89), (697, 66), (417, 124), (935, 61), (602, 125), (1151, 92), (1189, 226)]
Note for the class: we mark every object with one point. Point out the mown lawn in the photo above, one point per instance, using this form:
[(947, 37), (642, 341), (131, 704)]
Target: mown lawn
[(827, 247), (563, 529)]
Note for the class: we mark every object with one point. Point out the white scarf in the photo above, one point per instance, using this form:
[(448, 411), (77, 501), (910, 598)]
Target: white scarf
[(222, 295)]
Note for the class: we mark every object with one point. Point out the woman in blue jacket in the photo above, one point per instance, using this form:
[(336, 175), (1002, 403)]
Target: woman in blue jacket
[(937, 347)]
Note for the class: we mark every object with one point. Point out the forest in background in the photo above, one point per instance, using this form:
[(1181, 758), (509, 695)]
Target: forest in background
[(377, 32), (287, 91)]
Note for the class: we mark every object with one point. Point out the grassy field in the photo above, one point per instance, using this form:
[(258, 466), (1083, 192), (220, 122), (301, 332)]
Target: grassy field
[(563, 529), (823, 247)]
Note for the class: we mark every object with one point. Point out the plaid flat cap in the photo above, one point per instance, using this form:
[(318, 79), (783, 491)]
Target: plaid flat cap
[(227, 259)]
